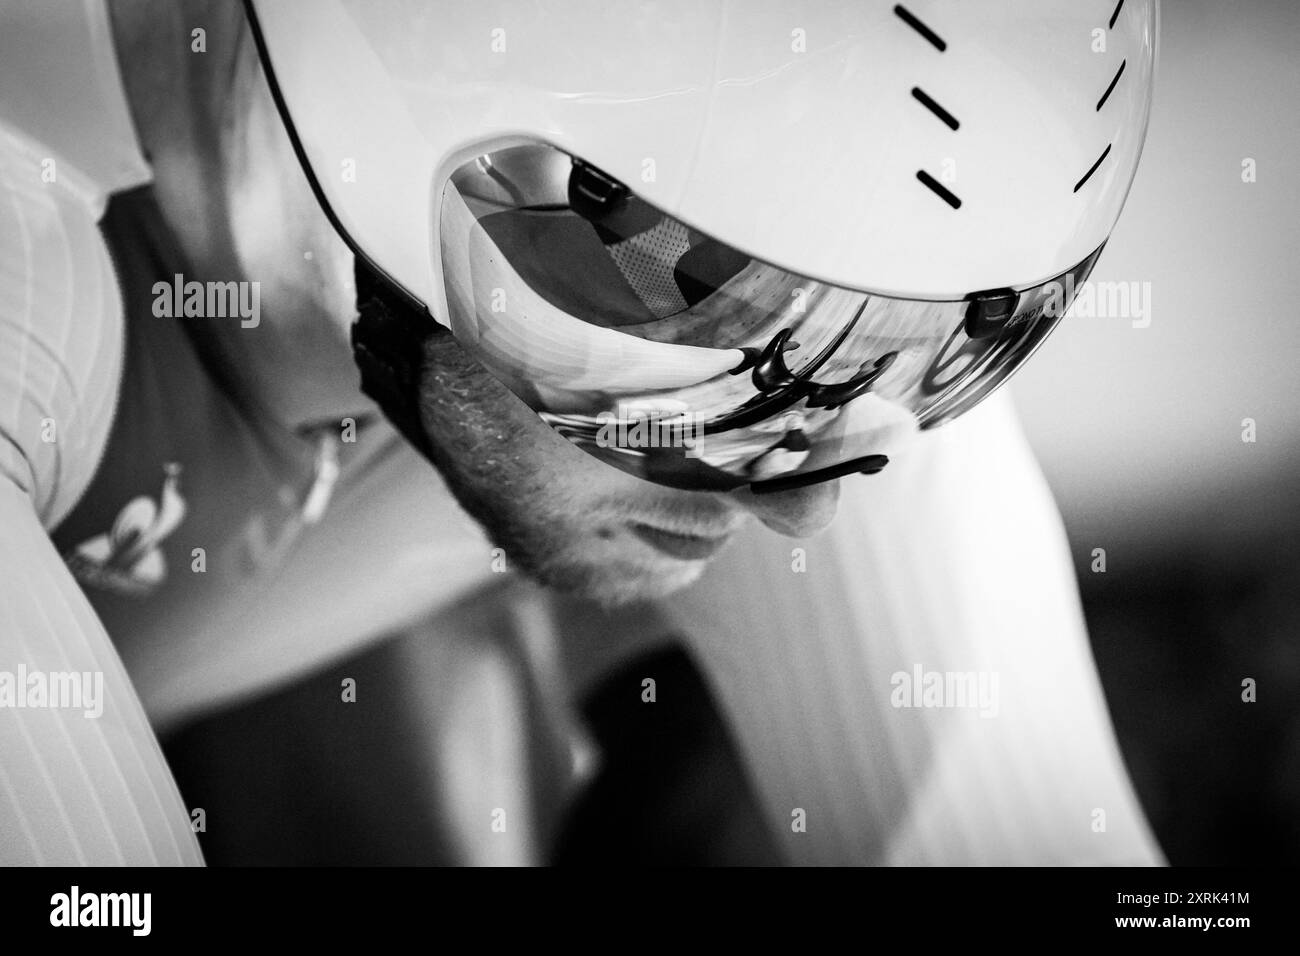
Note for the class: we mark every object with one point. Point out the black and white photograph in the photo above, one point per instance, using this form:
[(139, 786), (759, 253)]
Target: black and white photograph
[(630, 434)]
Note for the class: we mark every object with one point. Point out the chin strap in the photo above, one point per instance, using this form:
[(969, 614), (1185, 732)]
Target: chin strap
[(388, 337)]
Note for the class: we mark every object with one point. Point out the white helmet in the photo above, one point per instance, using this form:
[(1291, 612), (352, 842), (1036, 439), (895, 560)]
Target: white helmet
[(716, 242)]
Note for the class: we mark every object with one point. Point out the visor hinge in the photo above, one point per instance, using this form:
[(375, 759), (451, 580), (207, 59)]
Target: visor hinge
[(989, 312), (593, 195)]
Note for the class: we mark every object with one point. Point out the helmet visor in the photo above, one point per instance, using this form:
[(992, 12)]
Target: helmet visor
[(693, 364)]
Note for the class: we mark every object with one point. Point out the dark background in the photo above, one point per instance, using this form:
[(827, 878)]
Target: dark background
[(1174, 636)]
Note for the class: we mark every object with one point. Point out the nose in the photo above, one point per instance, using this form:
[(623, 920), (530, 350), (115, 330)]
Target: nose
[(797, 513)]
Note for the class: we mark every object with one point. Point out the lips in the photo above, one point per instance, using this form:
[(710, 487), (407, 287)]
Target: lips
[(685, 547)]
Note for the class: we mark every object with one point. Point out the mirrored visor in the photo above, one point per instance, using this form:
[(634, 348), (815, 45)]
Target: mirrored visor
[(687, 362)]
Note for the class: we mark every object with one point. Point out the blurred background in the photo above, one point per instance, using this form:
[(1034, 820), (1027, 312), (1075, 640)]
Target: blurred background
[(1140, 433)]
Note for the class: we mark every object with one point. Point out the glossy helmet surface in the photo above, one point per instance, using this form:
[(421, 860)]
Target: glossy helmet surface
[(920, 151)]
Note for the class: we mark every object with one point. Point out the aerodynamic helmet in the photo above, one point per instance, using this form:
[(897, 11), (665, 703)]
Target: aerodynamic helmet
[(716, 242)]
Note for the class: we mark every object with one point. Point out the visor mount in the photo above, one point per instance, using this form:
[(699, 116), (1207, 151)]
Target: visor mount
[(989, 312), (593, 195)]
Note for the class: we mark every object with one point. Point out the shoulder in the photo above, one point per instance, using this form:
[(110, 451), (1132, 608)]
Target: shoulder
[(63, 91), (60, 326), (66, 144)]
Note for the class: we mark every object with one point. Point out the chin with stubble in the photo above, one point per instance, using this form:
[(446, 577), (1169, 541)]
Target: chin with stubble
[(564, 518)]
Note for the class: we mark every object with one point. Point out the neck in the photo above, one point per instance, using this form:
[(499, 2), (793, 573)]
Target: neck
[(188, 106), (230, 187)]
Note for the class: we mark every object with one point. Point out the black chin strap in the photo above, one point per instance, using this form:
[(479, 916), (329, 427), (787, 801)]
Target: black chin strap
[(388, 339)]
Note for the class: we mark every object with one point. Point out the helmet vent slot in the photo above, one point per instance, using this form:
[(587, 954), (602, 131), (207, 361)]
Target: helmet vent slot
[(908, 17), (1110, 89), (1088, 174), (923, 98), (1115, 16), (939, 189)]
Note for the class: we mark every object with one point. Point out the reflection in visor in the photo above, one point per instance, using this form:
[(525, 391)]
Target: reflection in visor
[(678, 359)]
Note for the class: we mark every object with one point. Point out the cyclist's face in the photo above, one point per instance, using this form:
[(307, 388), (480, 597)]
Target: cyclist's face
[(567, 519), (244, 208)]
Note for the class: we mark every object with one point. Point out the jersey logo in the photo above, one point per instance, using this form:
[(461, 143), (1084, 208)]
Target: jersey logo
[(127, 560)]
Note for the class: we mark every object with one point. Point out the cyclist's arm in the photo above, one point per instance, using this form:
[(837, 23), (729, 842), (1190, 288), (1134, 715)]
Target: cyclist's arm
[(74, 789)]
